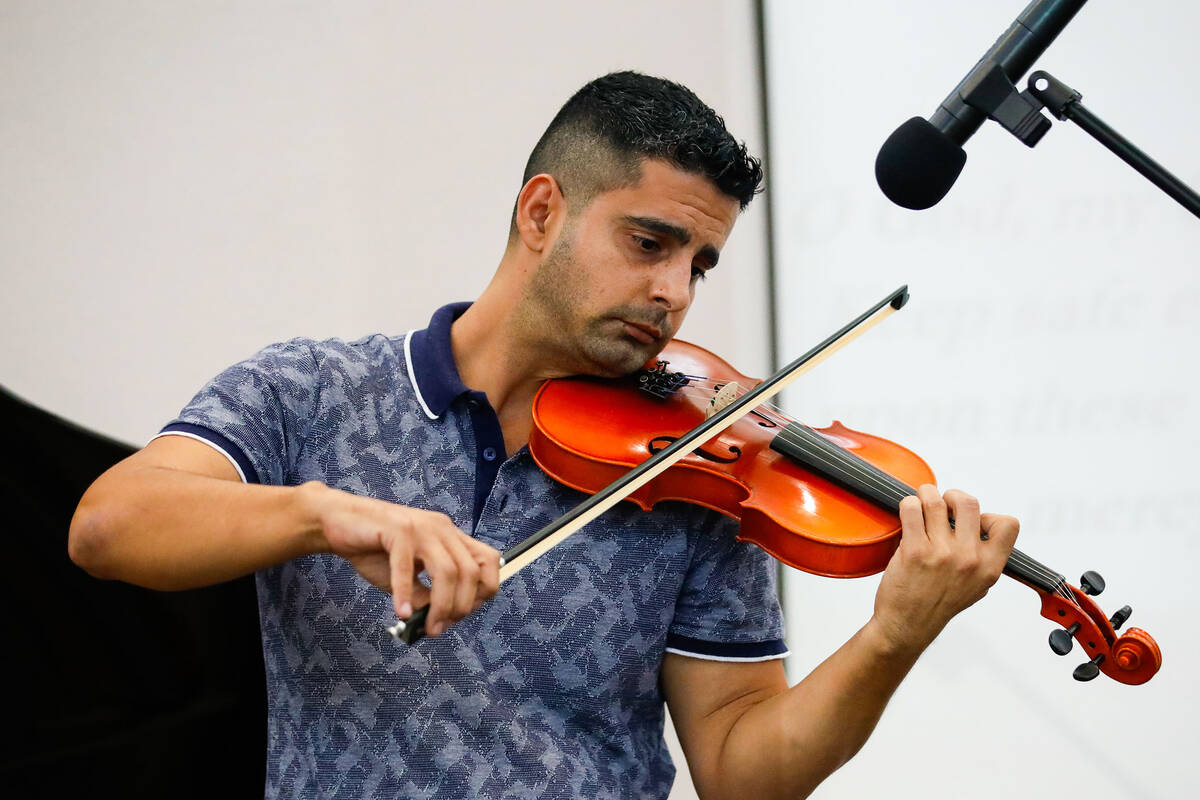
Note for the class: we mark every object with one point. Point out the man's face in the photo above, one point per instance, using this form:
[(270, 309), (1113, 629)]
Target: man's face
[(618, 281)]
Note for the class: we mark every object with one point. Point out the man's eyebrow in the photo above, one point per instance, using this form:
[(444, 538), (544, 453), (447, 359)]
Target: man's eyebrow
[(656, 225), (676, 232)]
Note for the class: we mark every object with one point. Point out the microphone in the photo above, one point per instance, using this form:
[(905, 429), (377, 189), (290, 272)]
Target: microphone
[(920, 161)]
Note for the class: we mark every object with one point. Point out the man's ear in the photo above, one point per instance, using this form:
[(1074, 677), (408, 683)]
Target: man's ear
[(541, 209)]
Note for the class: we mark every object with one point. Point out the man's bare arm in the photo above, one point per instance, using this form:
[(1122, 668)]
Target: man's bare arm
[(754, 737), (175, 515), (746, 734)]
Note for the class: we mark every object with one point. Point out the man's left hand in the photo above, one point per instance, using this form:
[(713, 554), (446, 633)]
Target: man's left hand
[(949, 556)]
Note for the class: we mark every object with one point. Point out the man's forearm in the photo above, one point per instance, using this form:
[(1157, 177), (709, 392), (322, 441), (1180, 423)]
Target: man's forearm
[(174, 516), (787, 744), (169, 529)]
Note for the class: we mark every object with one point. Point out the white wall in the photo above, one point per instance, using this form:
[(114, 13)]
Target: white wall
[(184, 182), (1046, 363)]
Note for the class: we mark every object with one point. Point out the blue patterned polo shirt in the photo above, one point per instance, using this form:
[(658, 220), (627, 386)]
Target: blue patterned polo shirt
[(551, 689)]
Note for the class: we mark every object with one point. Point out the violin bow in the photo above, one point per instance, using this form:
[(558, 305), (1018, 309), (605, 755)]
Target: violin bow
[(523, 553)]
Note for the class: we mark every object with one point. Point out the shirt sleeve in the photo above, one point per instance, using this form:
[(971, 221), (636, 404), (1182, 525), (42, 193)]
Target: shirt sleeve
[(257, 413), (728, 609)]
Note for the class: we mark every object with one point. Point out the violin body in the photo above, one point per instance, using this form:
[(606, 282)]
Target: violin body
[(590, 431)]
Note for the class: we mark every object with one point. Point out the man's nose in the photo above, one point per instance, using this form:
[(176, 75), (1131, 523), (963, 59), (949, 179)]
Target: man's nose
[(673, 285)]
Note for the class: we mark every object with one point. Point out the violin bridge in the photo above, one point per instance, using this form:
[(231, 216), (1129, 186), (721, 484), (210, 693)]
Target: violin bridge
[(727, 394)]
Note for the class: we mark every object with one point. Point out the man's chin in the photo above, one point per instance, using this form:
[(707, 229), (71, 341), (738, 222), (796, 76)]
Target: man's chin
[(622, 357)]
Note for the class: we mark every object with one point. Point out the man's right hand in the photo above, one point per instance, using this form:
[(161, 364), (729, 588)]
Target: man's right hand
[(390, 545), (176, 515)]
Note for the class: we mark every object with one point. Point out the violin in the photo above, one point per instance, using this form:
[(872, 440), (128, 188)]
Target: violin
[(824, 500)]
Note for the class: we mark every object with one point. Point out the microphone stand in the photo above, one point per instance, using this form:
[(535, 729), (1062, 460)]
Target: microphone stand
[(1063, 102)]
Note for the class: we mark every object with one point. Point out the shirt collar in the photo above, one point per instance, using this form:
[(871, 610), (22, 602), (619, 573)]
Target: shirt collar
[(431, 366)]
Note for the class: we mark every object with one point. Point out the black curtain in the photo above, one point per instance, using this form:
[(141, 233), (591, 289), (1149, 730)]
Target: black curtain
[(116, 689)]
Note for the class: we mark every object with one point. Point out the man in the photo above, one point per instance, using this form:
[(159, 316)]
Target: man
[(330, 469)]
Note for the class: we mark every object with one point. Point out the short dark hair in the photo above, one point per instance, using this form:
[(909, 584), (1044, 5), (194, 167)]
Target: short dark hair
[(598, 139)]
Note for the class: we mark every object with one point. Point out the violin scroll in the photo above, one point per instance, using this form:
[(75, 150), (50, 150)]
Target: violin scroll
[(1131, 658)]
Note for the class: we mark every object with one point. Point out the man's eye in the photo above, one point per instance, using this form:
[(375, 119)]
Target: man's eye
[(648, 245), (699, 273)]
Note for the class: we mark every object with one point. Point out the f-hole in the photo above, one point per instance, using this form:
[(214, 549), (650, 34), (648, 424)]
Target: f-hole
[(662, 442)]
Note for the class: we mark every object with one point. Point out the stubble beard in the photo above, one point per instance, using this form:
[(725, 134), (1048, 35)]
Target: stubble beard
[(595, 345)]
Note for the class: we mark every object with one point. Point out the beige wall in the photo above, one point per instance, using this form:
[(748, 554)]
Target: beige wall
[(185, 182)]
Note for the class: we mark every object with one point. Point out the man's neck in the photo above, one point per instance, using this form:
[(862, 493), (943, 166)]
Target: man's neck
[(496, 356)]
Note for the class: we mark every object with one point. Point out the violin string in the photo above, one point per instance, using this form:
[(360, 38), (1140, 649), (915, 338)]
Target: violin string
[(863, 470), (814, 444), (867, 473), (887, 484), (770, 408), (897, 490), (849, 462)]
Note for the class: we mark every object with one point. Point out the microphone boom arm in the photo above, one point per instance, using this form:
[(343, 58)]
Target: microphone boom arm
[(1063, 102)]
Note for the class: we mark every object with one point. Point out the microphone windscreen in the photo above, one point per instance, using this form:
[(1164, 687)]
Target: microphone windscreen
[(918, 164)]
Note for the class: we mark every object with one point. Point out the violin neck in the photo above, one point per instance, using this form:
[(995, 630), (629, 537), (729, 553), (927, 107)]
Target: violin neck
[(1033, 573), (818, 454)]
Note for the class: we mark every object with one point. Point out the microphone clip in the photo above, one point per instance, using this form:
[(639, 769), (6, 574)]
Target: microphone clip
[(989, 89), (1064, 103)]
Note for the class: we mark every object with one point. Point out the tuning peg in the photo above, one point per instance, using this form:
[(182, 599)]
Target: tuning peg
[(1061, 641), (1091, 583), (1118, 619), (1088, 669)]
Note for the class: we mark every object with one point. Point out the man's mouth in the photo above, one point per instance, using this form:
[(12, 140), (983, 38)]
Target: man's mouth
[(646, 334)]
